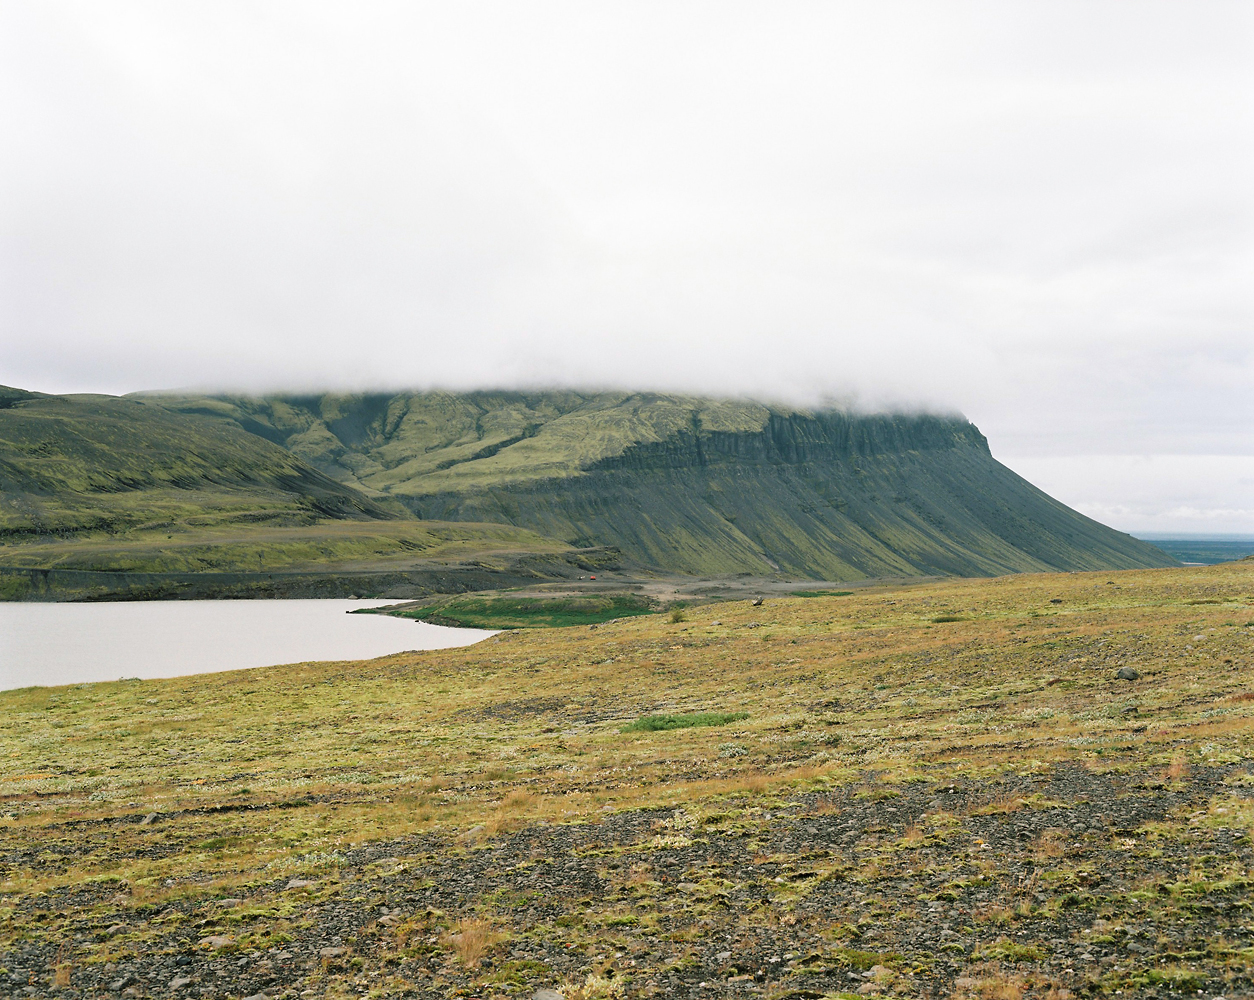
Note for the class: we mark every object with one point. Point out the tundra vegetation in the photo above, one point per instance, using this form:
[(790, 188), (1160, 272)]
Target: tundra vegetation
[(941, 790)]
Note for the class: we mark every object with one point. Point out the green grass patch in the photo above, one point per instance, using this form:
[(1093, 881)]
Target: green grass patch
[(528, 612), (658, 723), (1011, 951), (852, 958), (948, 618)]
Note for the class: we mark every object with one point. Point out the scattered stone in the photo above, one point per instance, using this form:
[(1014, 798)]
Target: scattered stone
[(299, 883), (217, 941), (115, 929), (1127, 674), (178, 982), (150, 819), (546, 995), (335, 952), (229, 903), (758, 602)]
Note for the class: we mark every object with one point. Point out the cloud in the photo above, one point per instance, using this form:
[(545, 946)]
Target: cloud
[(1186, 494), (1037, 214)]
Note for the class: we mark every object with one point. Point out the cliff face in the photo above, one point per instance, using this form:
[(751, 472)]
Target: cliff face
[(695, 485), (835, 498), (794, 439)]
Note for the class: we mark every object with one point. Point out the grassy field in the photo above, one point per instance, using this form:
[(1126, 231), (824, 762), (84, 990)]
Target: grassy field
[(934, 791), (504, 612)]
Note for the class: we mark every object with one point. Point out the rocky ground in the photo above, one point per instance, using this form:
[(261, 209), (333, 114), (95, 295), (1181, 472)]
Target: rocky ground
[(1067, 881)]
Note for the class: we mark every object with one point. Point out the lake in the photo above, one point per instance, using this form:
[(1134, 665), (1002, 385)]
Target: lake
[(72, 643)]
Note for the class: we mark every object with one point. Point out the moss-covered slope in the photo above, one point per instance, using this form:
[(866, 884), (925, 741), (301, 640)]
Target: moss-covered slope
[(73, 464), (695, 485)]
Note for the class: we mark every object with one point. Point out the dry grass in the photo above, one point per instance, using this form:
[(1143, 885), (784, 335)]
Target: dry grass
[(1000, 806), (513, 812), (1052, 843), (914, 835), (995, 914), (473, 939), (593, 987), (987, 981)]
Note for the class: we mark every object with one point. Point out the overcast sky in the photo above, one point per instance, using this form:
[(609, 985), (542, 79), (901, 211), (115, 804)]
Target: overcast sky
[(1036, 214)]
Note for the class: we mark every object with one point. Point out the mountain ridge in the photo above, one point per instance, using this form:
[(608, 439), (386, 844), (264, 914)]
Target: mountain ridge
[(696, 485)]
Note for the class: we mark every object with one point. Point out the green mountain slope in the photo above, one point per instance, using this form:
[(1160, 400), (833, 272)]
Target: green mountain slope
[(693, 485), (105, 497), (80, 463)]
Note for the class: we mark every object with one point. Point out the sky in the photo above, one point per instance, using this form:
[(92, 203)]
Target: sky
[(1035, 214)]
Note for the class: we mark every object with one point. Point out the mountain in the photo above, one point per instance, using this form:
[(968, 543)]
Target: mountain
[(78, 463), (106, 497), (691, 485)]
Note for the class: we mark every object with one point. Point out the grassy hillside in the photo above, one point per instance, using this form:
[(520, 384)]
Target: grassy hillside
[(105, 497), (70, 464), (695, 485), (942, 791), (346, 546)]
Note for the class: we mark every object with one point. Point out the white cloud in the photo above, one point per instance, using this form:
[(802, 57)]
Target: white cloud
[(1166, 494), (1037, 213)]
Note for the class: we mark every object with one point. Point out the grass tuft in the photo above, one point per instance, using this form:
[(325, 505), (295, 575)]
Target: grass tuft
[(658, 723), (473, 939)]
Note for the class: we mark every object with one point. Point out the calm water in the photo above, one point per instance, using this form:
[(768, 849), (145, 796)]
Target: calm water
[(72, 643)]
